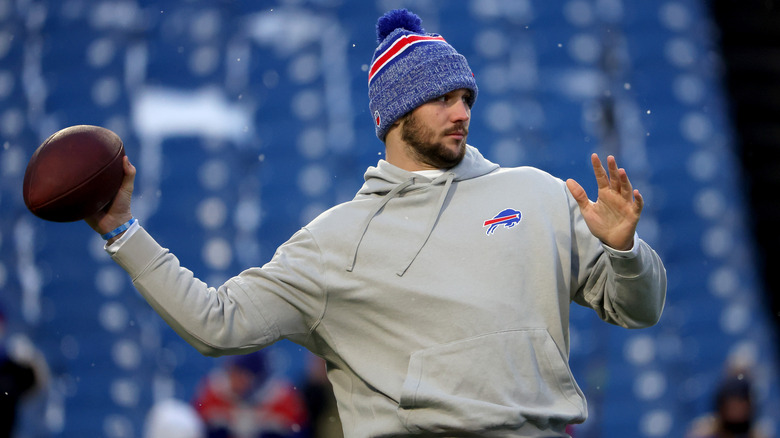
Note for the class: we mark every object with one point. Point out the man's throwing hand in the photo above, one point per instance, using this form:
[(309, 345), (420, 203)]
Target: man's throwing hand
[(118, 211), (615, 214)]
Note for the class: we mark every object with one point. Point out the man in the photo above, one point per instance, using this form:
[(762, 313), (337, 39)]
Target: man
[(243, 398), (734, 413), (22, 374), (439, 296)]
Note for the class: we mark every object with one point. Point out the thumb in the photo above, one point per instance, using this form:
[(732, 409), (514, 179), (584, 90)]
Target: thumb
[(118, 210), (120, 206), (578, 192), (128, 182)]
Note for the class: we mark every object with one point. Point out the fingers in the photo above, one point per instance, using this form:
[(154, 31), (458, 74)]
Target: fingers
[(619, 179), (614, 173), (614, 177), (625, 187), (601, 175), (639, 203)]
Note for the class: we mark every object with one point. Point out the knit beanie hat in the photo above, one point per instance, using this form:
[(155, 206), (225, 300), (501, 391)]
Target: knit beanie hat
[(411, 67)]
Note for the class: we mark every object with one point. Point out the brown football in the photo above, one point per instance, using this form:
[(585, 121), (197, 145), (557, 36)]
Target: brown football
[(74, 174)]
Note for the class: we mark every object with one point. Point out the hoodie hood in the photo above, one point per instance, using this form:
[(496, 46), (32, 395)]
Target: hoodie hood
[(385, 177), (388, 181)]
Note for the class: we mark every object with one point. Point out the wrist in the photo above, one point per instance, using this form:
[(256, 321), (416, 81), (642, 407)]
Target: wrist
[(114, 234), (624, 247), (106, 225)]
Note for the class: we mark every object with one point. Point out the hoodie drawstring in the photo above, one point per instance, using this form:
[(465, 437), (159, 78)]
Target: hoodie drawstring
[(379, 205), (431, 222)]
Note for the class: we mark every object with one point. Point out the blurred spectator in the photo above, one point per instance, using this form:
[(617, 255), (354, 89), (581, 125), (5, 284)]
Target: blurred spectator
[(320, 401), (23, 372), (244, 399), (172, 418), (734, 412)]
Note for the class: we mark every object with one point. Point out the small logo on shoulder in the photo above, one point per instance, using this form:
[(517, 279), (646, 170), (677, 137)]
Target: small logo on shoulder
[(508, 218)]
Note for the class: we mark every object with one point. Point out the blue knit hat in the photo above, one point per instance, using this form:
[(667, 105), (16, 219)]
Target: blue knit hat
[(411, 67)]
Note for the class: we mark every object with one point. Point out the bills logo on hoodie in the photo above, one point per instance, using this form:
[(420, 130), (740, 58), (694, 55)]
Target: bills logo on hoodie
[(508, 218)]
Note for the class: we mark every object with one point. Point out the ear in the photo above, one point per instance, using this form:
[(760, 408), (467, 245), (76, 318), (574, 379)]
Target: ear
[(392, 135), (394, 127)]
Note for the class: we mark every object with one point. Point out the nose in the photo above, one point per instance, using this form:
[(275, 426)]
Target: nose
[(461, 112)]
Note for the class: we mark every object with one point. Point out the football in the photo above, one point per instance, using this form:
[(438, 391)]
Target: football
[(74, 174)]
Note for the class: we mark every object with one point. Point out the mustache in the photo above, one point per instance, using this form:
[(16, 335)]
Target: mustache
[(459, 128)]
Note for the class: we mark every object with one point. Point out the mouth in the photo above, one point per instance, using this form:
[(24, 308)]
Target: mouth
[(458, 134)]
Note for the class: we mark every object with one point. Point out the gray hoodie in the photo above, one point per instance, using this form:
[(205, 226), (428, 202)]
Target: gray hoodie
[(441, 306)]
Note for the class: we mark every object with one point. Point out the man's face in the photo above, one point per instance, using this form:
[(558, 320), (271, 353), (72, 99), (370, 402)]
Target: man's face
[(736, 414), (435, 133)]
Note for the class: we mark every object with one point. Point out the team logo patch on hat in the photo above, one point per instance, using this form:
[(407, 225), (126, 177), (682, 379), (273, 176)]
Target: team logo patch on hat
[(508, 218), (377, 118)]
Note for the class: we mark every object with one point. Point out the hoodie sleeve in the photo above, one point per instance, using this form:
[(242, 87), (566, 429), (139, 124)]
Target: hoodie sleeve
[(250, 311), (625, 288)]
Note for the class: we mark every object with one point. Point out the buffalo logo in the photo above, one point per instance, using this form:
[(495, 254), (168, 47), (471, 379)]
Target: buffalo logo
[(508, 218)]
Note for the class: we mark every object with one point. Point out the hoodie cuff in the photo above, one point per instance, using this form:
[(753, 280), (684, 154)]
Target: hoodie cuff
[(114, 247), (627, 254), (137, 252), (628, 264)]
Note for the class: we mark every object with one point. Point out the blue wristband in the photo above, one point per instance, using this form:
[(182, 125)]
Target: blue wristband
[(118, 229)]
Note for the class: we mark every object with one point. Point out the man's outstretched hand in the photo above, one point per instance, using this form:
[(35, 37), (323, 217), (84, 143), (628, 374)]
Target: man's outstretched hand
[(615, 214), (118, 212)]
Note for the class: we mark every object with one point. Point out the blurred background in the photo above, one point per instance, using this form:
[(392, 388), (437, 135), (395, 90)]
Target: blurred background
[(246, 119)]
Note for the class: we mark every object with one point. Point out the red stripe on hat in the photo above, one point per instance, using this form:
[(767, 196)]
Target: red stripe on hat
[(396, 49)]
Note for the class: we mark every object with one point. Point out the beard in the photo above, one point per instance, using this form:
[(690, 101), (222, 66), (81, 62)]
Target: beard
[(423, 149)]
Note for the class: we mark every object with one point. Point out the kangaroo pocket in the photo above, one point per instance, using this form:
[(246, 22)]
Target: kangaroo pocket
[(495, 381)]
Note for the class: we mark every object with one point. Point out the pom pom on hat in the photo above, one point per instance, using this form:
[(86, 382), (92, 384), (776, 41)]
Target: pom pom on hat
[(411, 67), (397, 19)]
